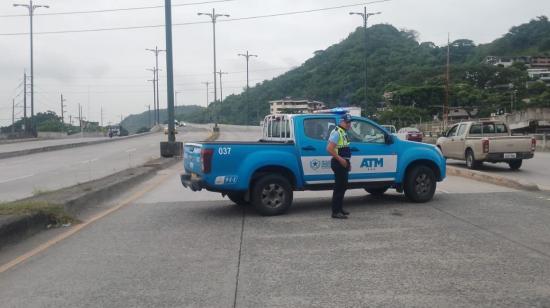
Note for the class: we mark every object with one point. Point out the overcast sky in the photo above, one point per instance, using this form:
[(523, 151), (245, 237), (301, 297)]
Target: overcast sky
[(108, 69)]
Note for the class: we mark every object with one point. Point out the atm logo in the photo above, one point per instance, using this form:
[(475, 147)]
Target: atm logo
[(372, 163)]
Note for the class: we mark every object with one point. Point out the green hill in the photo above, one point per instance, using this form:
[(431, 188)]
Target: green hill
[(135, 122), (414, 71)]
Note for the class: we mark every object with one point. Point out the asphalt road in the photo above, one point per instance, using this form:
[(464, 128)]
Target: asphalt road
[(474, 245), (20, 177), (534, 170)]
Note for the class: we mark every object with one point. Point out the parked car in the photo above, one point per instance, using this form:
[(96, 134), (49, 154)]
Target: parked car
[(410, 134), (487, 141), (292, 156), (390, 128)]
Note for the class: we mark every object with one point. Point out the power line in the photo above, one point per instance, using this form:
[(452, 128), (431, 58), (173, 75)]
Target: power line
[(115, 10), (197, 22)]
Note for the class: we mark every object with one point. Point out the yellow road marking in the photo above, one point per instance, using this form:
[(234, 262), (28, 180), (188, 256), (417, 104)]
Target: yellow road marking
[(83, 225)]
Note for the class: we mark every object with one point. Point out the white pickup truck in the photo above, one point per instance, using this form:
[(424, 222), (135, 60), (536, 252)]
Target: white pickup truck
[(486, 141)]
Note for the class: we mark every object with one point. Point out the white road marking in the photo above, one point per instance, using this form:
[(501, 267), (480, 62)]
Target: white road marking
[(131, 150), (443, 191), (17, 178), (88, 161)]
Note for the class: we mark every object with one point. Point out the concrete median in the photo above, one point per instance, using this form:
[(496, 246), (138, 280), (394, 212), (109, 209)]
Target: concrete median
[(493, 179)]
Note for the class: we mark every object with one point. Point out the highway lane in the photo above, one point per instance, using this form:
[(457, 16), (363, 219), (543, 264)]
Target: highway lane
[(172, 247), (20, 177), (534, 170), (27, 145)]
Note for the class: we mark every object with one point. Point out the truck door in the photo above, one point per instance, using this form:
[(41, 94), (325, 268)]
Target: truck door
[(312, 146), (459, 142), (372, 159), (447, 145)]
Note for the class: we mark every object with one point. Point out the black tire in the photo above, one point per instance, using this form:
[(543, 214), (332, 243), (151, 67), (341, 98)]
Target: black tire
[(238, 198), (272, 195), (377, 191), (471, 161), (420, 184), (515, 164)]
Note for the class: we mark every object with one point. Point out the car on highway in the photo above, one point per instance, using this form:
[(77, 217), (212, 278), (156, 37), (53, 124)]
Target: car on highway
[(166, 129), (292, 156), (486, 141), (410, 134)]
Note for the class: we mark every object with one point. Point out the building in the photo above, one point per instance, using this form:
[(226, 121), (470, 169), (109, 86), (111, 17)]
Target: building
[(532, 62), (540, 62), (459, 114), (506, 61), (539, 74), (294, 106)]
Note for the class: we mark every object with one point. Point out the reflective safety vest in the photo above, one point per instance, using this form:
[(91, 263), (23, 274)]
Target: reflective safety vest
[(343, 143)]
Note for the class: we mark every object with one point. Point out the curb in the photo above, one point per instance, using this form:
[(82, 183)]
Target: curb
[(76, 198), (65, 146), (493, 179)]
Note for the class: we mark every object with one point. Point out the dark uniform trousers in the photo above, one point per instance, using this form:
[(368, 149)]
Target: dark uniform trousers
[(340, 184)]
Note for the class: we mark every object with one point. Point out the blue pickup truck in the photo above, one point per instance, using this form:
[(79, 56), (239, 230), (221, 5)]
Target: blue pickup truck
[(292, 156)]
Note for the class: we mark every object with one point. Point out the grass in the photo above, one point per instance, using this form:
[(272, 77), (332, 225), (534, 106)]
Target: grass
[(55, 212), (39, 191)]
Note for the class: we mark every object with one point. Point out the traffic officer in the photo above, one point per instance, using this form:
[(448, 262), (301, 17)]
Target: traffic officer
[(338, 147)]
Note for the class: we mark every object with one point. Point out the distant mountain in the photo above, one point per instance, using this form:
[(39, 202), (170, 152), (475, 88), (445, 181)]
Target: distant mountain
[(135, 122)]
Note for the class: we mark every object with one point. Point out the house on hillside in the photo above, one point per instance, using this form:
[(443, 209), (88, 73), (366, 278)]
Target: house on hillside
[(294, 106)]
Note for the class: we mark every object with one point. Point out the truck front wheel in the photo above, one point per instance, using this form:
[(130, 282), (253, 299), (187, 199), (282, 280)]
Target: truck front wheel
[(272, 195), (420, 184)]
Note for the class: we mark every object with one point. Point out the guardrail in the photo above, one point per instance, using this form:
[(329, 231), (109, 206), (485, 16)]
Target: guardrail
[(543, 142)]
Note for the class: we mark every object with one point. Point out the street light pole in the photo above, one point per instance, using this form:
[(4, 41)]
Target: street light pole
[(213, 16), (154, 102), (155, 93), (157, 51), (248, 56), (220, 73), (31, 7), (365, 16)]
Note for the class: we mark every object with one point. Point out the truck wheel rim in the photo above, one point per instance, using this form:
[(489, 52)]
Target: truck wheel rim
[(273, 195), (423, 184)]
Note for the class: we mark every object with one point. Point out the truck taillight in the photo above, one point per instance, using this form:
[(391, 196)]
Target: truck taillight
[(485, 144), (206, 159), (533, 144)]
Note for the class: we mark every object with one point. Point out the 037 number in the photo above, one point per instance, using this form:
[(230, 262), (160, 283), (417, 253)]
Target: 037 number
[(224, 151)]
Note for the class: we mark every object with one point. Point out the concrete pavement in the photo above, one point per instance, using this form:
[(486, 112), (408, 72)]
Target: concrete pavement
[(172, 247), (533, 170)]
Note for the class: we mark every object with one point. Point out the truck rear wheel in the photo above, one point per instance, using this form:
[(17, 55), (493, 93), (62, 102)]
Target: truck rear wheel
[(515, 164), (272, 195), (471, 162), (238, 198), (420, 184)]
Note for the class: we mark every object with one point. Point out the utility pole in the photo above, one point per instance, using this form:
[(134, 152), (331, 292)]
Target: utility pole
[(62, 112), (207, 83), (447, 84), (214, 17), (80, 120), (13, 116), (155, 94), (220, 73), (157, 51), (26, 129), (101, 118), (149, 115), (31, 7), (248, 56), (365, 16)]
